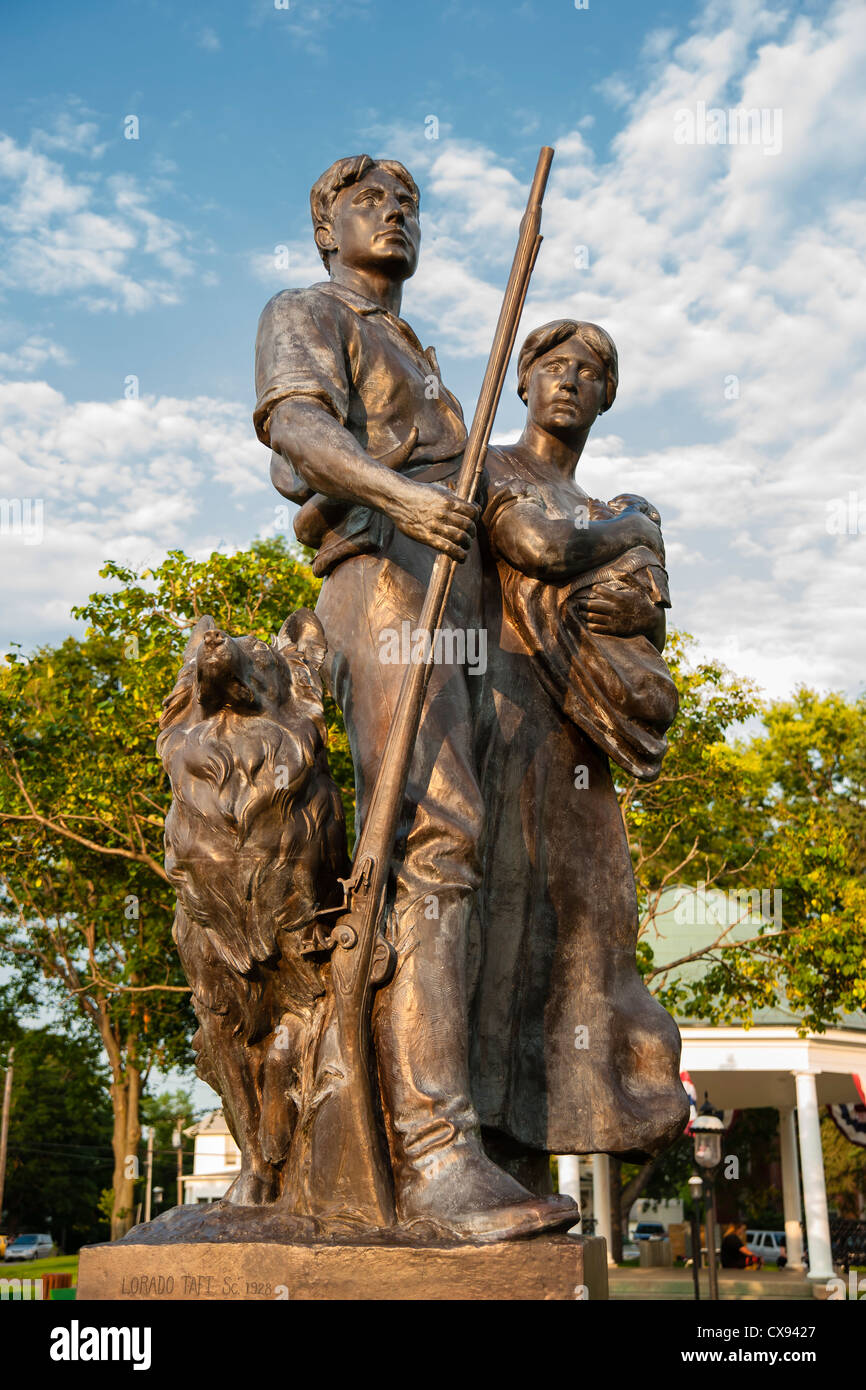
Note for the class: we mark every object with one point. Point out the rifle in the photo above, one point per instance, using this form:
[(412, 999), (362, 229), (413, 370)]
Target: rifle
[(352, 1168)]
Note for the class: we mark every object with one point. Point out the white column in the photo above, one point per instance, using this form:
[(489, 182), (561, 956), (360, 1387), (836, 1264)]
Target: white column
[(791, 1204), (601, 1200), (568, 1167), (814, 1186)]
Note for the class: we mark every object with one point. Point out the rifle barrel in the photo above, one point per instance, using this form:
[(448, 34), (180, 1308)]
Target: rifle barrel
[(380, 824)]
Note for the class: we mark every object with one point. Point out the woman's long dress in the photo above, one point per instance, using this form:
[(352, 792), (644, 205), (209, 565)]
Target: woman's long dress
[(570, 1052)]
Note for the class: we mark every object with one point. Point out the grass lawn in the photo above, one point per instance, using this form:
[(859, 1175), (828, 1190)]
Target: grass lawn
[(31, 1269)]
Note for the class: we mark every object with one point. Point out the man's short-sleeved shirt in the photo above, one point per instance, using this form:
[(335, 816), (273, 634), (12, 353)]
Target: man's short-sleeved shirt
[(363, 364)]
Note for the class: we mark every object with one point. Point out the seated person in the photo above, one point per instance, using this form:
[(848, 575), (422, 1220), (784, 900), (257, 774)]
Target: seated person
[(735, 1252)]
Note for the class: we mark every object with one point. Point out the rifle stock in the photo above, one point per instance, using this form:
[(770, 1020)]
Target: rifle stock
[(351, 1144)]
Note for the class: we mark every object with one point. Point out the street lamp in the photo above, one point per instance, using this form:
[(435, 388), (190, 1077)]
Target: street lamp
[(696, 1187), (158, 1195), (707, 1130)]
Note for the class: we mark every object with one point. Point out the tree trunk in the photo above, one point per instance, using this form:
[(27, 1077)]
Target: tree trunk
[(633, 1189), (125, 1090), (126, 1135)]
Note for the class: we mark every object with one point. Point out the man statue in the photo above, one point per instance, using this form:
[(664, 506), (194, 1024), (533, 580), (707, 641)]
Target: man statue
[(366, 437)]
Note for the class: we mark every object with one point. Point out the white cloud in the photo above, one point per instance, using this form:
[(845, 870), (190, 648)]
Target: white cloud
[(734, 286), (289, 263), (32, 354), (72, 133), (123, 480), (304, 22), (707, 263), (99, 243)]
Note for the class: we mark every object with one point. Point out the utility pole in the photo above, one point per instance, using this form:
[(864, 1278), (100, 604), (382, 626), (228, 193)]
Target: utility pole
[(177, 1141), (4, 1124), (148, 1185)]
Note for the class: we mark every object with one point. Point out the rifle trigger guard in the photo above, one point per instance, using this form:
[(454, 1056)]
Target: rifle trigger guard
[(383, 962)]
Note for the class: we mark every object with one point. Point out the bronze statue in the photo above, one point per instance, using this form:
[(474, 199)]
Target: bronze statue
[(255, 842), (488, 908), (355, 411), (571, 1054)]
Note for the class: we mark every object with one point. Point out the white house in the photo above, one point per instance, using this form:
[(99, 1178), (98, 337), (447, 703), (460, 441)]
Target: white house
[(216, 1160)]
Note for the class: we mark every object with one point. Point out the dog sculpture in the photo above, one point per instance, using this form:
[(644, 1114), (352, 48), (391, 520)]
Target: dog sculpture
[(255, 844)]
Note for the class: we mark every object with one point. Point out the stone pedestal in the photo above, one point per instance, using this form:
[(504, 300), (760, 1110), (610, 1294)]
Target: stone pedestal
[(543, 1267)]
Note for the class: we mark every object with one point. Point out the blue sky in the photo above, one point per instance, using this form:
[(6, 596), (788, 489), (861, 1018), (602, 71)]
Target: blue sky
[(730, 274)]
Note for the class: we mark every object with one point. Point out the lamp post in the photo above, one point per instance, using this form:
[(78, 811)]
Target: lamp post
[(696, 1185), (707, 1130)]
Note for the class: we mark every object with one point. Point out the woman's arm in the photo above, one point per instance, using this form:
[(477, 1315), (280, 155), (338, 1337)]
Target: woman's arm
[(558, 550)]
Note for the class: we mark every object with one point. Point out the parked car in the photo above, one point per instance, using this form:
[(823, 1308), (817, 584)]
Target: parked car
[(770, 1245), (30, 1248), (649, 1230)]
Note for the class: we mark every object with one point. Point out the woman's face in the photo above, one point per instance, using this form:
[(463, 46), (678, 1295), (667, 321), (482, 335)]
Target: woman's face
[(567, 388)]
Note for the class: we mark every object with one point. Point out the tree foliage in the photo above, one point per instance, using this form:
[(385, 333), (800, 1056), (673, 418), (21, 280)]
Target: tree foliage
[(845, 1172), (87, 908), (782, 811), (751, 794), (59, 1155)]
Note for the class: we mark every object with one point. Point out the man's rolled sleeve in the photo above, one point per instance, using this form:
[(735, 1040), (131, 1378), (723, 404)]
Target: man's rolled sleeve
[(300, 351)]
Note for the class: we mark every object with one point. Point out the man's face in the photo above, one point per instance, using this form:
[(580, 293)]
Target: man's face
[(375, 226), (567, 387)]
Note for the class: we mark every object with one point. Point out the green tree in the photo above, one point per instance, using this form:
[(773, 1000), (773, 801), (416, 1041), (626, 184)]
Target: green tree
[(59, 1156), (87, 909), (783, 811), (86, 905), (845, 1171)]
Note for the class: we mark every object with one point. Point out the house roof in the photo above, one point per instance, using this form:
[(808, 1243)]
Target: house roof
[(212, 1123)]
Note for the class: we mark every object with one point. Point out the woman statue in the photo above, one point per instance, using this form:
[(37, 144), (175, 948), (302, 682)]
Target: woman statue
[(571, 1053)]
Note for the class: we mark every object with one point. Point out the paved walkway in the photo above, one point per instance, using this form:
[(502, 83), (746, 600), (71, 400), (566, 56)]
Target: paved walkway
[(766, 1284)]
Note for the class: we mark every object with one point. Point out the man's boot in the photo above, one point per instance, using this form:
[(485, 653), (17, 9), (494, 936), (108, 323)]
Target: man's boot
[(441, 1173)]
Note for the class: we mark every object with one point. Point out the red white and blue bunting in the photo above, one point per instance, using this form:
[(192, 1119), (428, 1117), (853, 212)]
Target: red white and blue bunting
[(851, 1119)]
